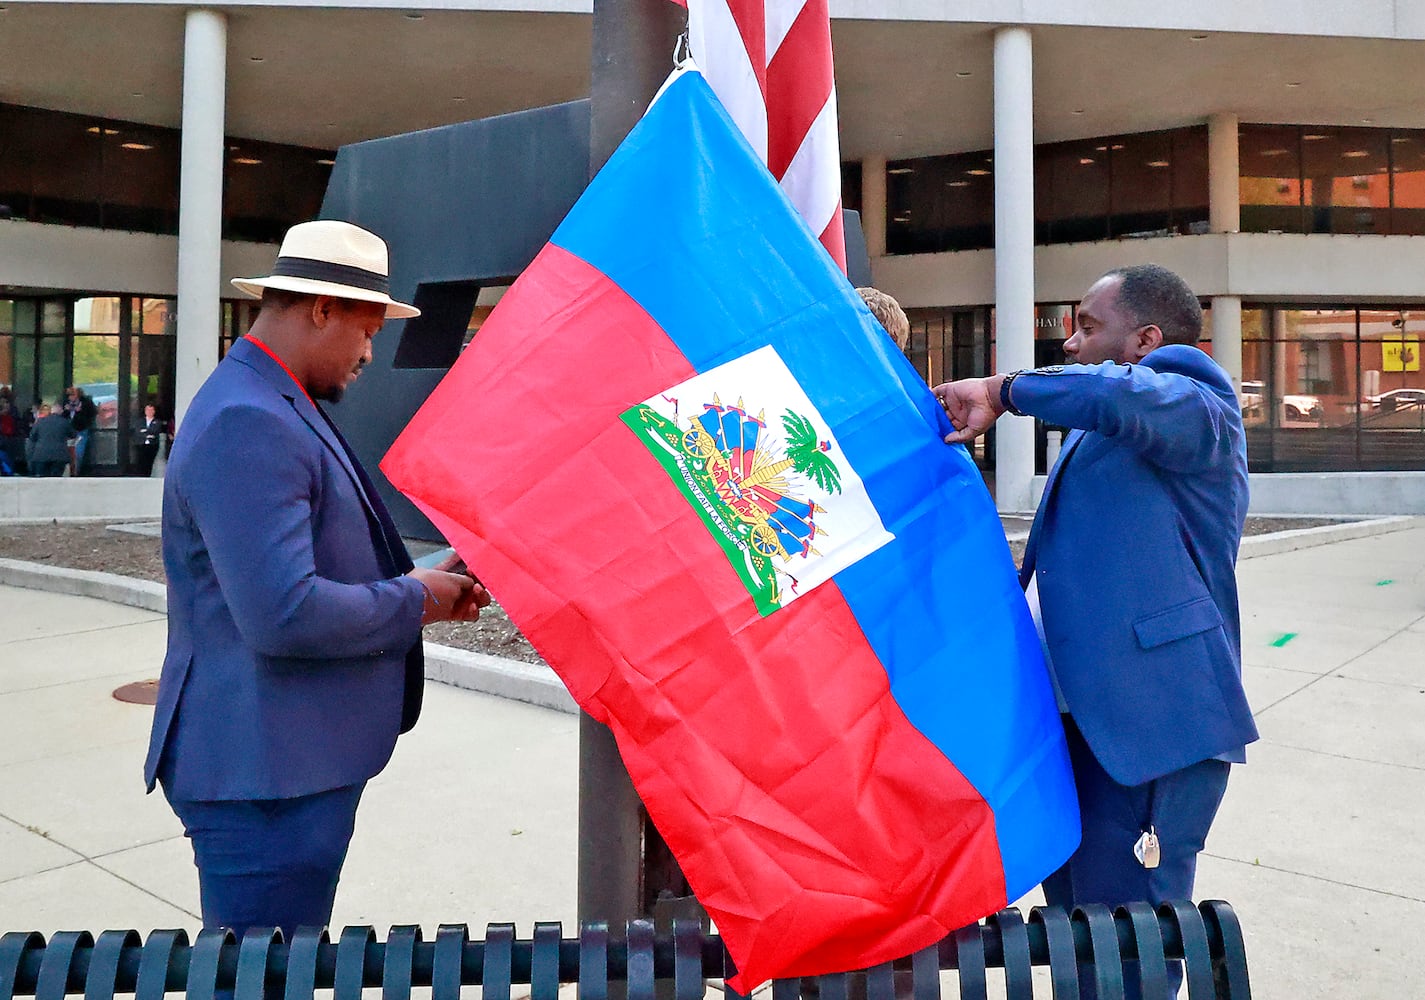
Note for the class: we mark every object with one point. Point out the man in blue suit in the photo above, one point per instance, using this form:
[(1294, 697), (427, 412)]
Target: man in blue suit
[(294, 636), (1130, 574)]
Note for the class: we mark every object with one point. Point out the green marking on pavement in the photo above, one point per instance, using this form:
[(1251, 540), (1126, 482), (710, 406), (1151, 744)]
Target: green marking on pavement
[(1384, 583), (1284, 638)]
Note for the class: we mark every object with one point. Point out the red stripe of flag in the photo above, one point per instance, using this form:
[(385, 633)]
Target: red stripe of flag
[(795, 81), (799, 81), (753, 784)]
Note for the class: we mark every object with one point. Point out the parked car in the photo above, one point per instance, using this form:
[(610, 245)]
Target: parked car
[(1397, 399), (106, 402), (1294, 406)]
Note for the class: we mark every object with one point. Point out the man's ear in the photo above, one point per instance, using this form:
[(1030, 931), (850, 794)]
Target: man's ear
[(1149, 339), (324, 308)]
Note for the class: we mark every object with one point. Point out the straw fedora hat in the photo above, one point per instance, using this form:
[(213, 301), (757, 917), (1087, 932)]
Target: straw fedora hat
[(332, 258)]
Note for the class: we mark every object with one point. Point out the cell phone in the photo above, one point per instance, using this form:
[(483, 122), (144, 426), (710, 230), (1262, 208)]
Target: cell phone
[(434, 559)]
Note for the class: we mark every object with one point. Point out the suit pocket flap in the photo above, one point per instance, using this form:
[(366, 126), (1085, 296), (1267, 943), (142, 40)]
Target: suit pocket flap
[(1177, 623)]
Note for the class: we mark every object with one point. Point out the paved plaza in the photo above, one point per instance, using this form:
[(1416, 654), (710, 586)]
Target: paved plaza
[(474, 821)]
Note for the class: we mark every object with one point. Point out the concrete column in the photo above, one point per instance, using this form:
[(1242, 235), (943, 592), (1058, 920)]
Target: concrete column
[(1223, 172), (1227, 335), (200, 202), (873, 204), (1014, 254)]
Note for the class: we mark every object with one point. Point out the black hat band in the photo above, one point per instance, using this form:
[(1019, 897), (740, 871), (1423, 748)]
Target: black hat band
[(338, 274)]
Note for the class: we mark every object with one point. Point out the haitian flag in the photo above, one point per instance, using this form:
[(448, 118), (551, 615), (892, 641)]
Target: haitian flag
[(702, 480)]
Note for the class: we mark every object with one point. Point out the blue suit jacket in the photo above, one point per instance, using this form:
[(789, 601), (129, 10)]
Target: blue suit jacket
[(1135, 545), (294, 655)]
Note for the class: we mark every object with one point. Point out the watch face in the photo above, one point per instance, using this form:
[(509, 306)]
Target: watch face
[(1050, 370)]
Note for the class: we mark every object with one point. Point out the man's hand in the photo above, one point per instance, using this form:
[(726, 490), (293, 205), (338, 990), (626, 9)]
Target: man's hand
[(972, 405), (478, 597), (450, 597)]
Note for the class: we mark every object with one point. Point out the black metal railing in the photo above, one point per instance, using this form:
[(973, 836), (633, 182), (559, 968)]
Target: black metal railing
[(1135, 941)]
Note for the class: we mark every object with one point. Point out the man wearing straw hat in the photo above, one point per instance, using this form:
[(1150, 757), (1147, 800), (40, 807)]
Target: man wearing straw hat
[(294, 635)]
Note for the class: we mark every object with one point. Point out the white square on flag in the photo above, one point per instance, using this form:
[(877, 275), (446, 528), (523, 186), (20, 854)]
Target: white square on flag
[(759, 464)]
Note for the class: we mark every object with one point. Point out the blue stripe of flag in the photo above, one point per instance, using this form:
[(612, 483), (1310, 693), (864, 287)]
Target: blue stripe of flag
[(659, 220)]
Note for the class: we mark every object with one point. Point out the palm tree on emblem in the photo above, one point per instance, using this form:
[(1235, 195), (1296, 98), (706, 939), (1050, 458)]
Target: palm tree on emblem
[(805, 453)]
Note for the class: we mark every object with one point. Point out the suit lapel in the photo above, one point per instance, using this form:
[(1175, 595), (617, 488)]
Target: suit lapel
[(1031, 549), (383, 528)]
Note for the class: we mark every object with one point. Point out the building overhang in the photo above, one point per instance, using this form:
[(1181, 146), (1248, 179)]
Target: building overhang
[(911, 81)]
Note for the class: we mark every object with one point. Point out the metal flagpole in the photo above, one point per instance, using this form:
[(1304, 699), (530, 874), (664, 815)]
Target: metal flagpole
[(623, 863)]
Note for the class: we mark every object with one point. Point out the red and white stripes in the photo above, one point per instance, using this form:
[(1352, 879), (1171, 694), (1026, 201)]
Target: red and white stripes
[(769, 62)]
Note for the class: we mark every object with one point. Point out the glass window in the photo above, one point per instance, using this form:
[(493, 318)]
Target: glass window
[(940, 203), (24, 316), (7, 359), (96, 315), (268, 187), (968, 200), (1346, 179), (16, 158), (54, 316), (96, 371), (66, 178), (1392, 390), (1407, 164), (25, 392), (1190, 186), (1142, 183), (155, 317), (51, 377), (1270, 183), (1313, 383), (151, 365), (912, 206), (1078, 191), (141, 178), (851, 173)]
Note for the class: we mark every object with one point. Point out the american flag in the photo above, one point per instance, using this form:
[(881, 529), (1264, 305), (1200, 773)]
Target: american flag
[(769, 62)]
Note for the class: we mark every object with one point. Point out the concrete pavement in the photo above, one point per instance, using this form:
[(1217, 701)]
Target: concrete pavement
[(474, 820)]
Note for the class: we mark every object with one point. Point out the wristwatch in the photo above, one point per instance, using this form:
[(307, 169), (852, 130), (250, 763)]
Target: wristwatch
[(1005, 401)]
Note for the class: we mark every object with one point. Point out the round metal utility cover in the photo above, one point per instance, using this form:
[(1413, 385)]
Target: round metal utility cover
[(139, 692)]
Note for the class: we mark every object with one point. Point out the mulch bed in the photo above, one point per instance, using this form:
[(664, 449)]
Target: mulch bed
[(95, 547)]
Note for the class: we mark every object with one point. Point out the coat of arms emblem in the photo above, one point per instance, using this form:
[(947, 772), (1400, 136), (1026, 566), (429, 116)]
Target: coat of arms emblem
[(771, 491)]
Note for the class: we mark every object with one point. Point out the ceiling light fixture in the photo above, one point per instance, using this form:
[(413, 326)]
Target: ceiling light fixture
[(134, 145), (1315, 137), (1077, 111), (247, 161), (1160, 163), (137, 93), (957, 184), (1275, 152), (1084, 161), (1368, 121), (1355, 154), (97, 130), (1293, 83), (1197, 38), (256, 59), (901, 170), (964, 73), (413, 16), (327, 163), (978, 173)]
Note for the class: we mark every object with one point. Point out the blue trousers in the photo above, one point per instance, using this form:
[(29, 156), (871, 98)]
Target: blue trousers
[(270, 862), (1179, 806)]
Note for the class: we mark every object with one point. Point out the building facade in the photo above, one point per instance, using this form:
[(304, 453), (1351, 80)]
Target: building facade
[(1002, 153)]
